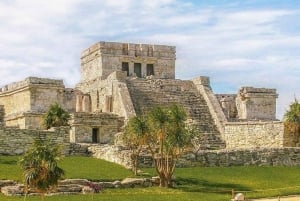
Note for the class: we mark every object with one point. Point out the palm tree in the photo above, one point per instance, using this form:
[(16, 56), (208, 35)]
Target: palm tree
[(172, 137), (134, 137), (56, 116), (40, 167), (292, 122)]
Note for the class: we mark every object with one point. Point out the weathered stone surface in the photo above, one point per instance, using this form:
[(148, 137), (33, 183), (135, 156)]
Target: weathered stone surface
[(25, 101), (87, 190), (243, 135), (256, 103), (83, 182), (107, 126), (70, 188), (16, 141), (6, 183), (13, 190), (116, 154), (134, 182)]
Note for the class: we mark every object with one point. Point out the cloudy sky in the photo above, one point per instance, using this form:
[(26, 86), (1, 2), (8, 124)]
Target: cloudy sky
[(236, 43)]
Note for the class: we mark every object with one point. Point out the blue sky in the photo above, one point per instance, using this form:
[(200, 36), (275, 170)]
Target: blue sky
[(235, 43)]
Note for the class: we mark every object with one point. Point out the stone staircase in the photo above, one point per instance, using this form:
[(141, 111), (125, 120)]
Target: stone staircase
[(148, 93)]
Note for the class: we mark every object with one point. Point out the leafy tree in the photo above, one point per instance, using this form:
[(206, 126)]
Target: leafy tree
[(168, 140), (40, 167), (135, 138), (292, 120), (56, 116)]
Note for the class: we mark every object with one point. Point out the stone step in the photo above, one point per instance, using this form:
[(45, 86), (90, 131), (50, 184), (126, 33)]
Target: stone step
[(147, 94)]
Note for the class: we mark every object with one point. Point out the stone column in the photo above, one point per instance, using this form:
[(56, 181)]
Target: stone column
[(79, 103), (86, 103)]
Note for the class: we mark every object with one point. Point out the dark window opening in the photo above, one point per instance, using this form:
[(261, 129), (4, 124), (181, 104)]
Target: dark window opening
[(125, 67), (150, 69), (138, 69), (95, 135)]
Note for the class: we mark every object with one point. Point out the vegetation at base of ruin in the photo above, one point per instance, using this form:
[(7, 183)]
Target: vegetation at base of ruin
[(198, 183), (165, 135), (40, 167), (292, 121), (56, 116), (135, 138)]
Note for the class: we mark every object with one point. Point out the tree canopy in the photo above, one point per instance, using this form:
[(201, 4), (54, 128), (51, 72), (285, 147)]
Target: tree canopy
[(40, 167), (293, 114), (56, 116), (165, 134)]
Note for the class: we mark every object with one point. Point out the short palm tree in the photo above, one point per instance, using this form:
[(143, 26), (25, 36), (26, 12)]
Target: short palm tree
[(40, 167), (135, 138), (292, 122), (56, 116)]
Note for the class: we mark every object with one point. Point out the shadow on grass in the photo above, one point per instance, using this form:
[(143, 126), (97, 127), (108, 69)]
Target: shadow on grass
[(196, 185), (9, 162)]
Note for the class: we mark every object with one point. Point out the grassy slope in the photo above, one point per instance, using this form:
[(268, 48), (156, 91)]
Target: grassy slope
[(193, 183)]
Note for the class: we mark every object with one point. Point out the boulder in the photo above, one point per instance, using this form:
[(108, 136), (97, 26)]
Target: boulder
[(87, 190), (133, 182), (13, 190), (83, 182), (70, 188), (7, 183)]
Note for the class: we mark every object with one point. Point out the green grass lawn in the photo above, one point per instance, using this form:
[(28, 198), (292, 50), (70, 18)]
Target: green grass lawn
[(211, 184)]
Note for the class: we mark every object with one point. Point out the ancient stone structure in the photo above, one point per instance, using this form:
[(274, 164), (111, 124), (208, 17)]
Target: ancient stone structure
[(121, 80), (16, 141), (25, 101)]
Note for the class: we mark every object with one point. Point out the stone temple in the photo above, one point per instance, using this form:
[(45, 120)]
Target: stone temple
[(120, 80)]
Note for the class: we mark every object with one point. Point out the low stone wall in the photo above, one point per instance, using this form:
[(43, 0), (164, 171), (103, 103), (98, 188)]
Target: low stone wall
[(115, 154), (77, 149), (258, 157), (208, 158), (15, 141), (241, 135)]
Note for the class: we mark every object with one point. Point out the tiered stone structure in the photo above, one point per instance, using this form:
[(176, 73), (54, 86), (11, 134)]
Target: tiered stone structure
[(153, 92), (121, 80)]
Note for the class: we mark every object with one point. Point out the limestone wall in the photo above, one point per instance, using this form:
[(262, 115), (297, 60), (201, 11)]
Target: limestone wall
[(2, 113), (258, 157), (203, 87), (254, 134), (256, 103), (28, 120), (110, 95), (25, 101), (103, 58), (16, 141), (105, 126), (207, 158)]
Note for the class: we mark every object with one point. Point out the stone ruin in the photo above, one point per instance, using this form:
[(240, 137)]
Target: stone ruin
[(121, 80)]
